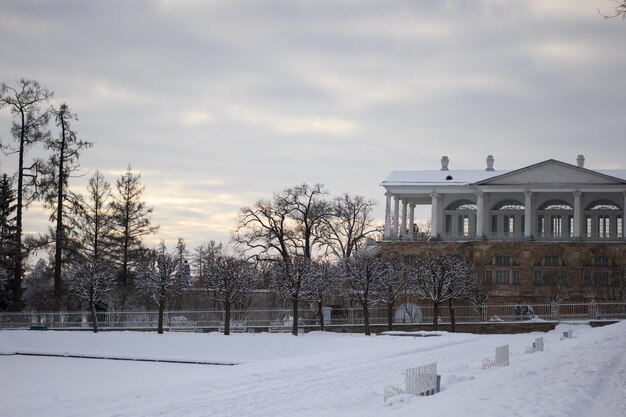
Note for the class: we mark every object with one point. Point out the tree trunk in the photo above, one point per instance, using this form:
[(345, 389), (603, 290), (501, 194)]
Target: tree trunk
[(452, 316), (390, 316), (320, 315), (94, 317), (161, 311), (294, 327), (435, 315), (59, 229), (16, 286), (366, 317), (226, 318)]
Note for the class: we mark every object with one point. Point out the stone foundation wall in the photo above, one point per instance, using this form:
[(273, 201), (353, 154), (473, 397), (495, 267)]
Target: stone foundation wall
[(576, 255)]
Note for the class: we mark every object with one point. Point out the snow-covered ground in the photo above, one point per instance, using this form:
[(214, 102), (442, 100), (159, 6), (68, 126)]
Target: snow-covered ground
[(318, 374)]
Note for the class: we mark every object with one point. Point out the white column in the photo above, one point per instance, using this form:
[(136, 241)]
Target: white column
[(480, 214), (528, 213), (624, 218), (396, 216), (434, 219), (577, 214), (403, 233), (411, 221), (387, 215)]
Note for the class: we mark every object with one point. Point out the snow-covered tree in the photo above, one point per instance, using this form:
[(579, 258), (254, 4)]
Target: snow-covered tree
[(162, 275), (348, 226), (7, 237), (362, 277), (293, 280), (92, 281), (441, 278), (393, 287), (228, 280), (203, 255), (324, 281)]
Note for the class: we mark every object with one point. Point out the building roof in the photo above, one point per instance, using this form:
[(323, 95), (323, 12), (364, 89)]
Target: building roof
[(471, 176)]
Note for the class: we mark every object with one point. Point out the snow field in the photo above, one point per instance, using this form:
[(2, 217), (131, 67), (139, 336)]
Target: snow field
[(318, 374)]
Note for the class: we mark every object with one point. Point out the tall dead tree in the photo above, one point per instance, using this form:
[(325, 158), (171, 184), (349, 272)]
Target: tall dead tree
[(63, 162), (29, 127)]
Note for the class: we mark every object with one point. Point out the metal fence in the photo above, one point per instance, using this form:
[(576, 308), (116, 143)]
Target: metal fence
[(280, 320)]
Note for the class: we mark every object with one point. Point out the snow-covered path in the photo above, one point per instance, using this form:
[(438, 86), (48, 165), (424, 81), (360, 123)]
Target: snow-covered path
[(313, 375)]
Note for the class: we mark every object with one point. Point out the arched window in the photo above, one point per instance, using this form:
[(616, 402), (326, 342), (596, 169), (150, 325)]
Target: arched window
[(551, 271), (601, 272), (603, 220), (460, 216), (555, 219), (503, 269), (507, 219)]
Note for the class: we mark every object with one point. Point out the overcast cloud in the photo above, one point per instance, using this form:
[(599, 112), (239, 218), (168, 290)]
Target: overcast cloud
[(220, 103)]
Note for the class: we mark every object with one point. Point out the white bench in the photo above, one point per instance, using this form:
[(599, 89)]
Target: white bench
[(537, 346), (502, 358), (422, 380)]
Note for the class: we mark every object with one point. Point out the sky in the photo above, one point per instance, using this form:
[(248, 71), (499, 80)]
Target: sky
[(220, 103)]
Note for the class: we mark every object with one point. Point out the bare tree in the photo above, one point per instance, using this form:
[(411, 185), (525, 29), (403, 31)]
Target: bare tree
[(29, 127), (161, 276), (63, 162), (92, 281), (393, 287), (348, 226), (132, 220), (440, 278), (307, 210), (619, 10), (294, 280), (362, 277), (7, 238), (324, 280), (204, 255), (228, 280)]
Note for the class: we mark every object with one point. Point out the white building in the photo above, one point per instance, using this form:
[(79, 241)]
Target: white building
[(551, 200)]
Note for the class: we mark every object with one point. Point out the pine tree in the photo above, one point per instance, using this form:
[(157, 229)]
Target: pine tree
[(132, 222), (7, 237), (28, 128)]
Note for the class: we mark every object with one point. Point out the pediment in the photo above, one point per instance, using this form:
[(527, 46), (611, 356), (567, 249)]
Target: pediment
[(553, 172)]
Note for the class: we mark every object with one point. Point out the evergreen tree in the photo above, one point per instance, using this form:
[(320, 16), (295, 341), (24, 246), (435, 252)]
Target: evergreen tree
[(132, 222), (7, 237), (29, 127)]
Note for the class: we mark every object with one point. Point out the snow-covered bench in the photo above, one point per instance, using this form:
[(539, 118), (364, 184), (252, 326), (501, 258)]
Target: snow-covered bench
[(537, 346), (502, 358), (422, 380)]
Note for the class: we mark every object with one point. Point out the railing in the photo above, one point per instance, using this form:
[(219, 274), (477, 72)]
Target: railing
[(283, 318)]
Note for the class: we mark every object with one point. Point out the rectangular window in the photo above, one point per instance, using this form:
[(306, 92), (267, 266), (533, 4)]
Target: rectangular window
[(488, 279), (494, 225), (620, 226), (604, 224), (466, 231), (537, 279), (540, 226), (588, 226), (587, 279), (506, 225), (502, 276), (557, 226), (602, 279), (516, 279), (570, 220), (448, 223)]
